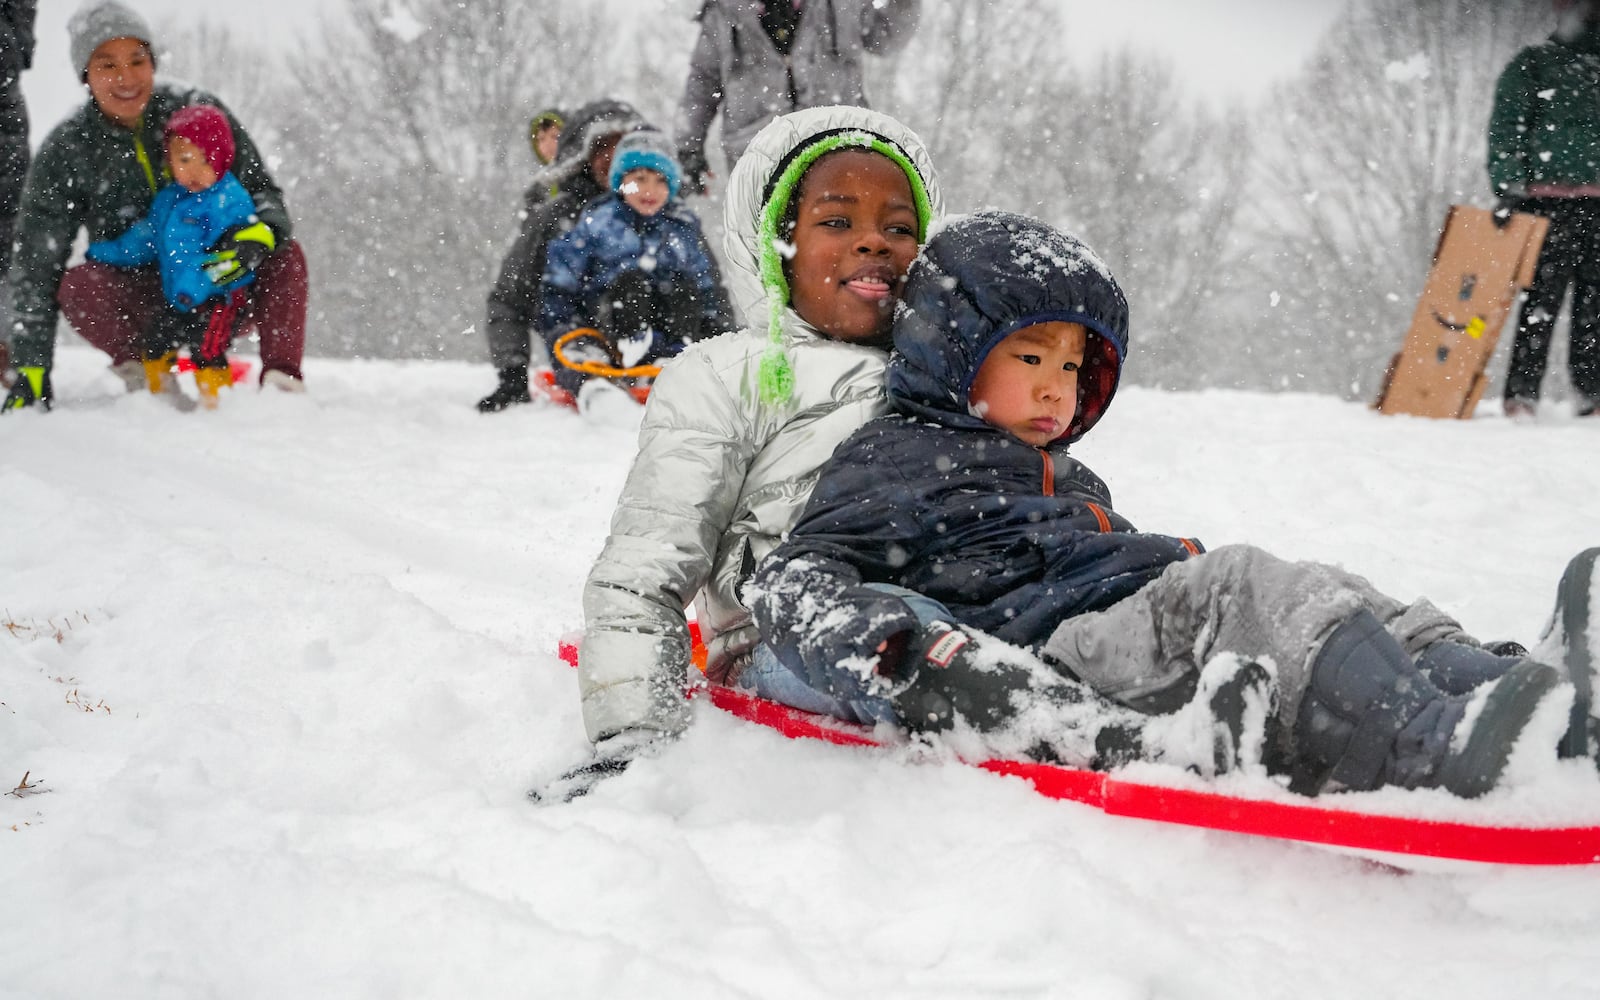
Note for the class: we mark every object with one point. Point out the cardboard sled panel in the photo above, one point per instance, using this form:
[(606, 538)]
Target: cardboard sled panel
[(1478, 271)]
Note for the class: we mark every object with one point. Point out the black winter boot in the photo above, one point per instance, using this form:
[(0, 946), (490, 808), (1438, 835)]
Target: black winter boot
[(1370, 718), (943, 679), (1021, 705), (513, 388), (1567, 638), (951, 671), (1460, 668)]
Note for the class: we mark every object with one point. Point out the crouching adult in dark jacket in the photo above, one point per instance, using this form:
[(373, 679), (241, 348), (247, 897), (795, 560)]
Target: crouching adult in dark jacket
[(581, 173), (98, 172), (961, 518)]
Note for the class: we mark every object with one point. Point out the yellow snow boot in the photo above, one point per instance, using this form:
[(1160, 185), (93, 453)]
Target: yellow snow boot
[(158, 374), (210, 382)]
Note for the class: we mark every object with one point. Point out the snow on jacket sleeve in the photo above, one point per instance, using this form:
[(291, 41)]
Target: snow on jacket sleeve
[(808, 596), (566, 264), (138, 245), (694, 450)]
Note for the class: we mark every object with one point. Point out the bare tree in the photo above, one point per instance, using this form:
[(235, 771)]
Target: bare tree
[(1361, 157), (1143, 172), (411, 139)]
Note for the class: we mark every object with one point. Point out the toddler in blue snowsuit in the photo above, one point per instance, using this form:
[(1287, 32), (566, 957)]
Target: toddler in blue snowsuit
[(201, 203), (635, 267), (959, 520)]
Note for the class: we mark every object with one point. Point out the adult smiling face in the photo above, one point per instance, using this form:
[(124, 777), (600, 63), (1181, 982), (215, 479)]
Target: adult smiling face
[(121, 75)]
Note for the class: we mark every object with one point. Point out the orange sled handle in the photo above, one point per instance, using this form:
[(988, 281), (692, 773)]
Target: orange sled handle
[(600, 368)]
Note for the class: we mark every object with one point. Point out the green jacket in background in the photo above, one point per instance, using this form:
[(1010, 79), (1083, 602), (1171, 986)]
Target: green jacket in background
[(94, 175), (1545, 128)]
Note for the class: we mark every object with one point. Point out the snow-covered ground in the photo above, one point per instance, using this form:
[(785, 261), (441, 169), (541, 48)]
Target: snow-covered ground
[(281, 674)]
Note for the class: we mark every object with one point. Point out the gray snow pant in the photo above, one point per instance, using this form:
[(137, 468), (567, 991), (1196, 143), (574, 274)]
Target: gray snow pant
[(1147, 650)]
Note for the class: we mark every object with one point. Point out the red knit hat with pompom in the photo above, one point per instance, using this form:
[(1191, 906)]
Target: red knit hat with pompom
[(208, 129)]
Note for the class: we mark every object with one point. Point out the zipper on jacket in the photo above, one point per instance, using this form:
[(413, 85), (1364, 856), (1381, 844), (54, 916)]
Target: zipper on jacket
[(1049, 486), (143, 157)]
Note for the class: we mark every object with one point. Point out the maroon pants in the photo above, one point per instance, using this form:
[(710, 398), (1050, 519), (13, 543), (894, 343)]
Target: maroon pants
[(112, 307)]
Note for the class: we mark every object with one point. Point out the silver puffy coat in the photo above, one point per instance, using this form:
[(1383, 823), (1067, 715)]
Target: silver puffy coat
[(720, 476), (735, 65)]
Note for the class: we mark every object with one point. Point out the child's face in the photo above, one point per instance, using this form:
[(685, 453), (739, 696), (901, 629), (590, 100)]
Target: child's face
[(188, 165), (644, 190), (855, 235), (546, 141), (1028, 385)]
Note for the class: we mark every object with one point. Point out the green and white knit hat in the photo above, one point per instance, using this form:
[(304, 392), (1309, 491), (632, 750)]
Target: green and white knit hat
[(777, 372)]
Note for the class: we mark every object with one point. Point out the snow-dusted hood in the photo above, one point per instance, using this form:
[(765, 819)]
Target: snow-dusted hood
[(752, 183), (982, 278), (579, 136)]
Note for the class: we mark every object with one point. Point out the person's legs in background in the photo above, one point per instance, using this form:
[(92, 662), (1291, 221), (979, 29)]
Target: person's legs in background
[(277, 308), (112, 308), (1536, 323)]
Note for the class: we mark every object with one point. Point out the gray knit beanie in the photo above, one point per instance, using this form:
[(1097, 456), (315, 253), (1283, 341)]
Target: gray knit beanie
[(97, 23)]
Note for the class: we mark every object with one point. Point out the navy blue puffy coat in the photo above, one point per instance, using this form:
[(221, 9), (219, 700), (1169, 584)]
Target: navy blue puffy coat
[(1011, 538), (611, 238)]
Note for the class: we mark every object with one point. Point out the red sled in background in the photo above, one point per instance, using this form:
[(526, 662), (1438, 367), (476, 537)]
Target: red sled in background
[(1479, 268)]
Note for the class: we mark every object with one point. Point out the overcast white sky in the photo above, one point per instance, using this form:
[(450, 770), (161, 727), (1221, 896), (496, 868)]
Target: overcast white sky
[(1223, 48)]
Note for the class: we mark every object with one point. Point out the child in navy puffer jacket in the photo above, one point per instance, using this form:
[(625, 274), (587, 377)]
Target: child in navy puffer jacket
[(203, 201), (960, 520), (635, 267)]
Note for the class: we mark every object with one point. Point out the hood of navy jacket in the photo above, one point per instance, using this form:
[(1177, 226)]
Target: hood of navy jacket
[(579, 137), (982, 278)]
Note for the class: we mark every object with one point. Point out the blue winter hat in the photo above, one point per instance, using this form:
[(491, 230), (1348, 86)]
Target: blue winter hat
[(648, 149)]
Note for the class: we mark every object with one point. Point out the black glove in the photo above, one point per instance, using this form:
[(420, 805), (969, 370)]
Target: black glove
[(842, 659), (32, 386), (513, 388), (238, 252), (1503, 208), (695, 170), (612, 756)]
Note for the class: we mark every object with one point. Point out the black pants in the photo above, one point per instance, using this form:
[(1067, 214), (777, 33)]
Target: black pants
[(1570, 258), (171, 330), (13, 164)]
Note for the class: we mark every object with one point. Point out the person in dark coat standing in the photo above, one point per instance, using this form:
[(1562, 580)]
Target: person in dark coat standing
[(16, 55), (758, 59), (960, 519), (1544, 158), (98, 172), (581, 172)]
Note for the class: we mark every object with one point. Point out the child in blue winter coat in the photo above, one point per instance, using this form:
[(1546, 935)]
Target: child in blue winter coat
[(947, 543), (635, 268), (203, 201)]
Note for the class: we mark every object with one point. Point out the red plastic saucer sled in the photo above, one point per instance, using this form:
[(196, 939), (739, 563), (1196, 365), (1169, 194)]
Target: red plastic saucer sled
[(1352, 830)]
